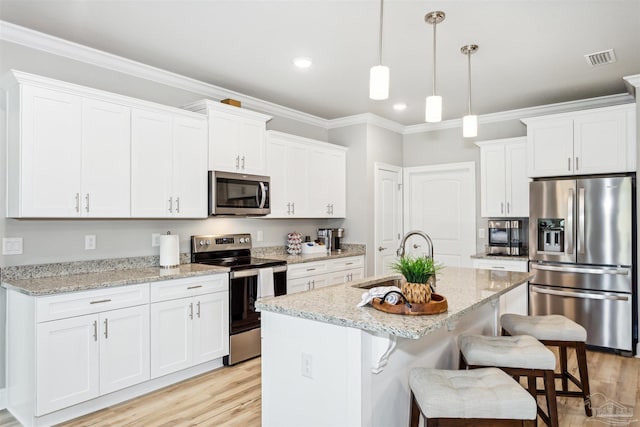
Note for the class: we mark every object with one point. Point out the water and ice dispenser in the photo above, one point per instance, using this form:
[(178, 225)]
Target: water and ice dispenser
[(551, 234)]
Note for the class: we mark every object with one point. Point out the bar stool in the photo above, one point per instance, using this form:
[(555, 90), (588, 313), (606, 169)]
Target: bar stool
[(479, 397), (517, 356), (558, 331)]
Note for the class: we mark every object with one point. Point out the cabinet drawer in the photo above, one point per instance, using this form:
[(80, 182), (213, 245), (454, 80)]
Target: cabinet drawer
[(181, 288), (306, 269), (499, 264), (346, 263), (88, 302)]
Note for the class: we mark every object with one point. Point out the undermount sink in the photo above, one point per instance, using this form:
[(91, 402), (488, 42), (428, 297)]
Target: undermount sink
[(381, 282)]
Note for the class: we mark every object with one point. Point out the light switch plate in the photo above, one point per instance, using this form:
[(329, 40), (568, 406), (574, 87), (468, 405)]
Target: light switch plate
[(12, 246)]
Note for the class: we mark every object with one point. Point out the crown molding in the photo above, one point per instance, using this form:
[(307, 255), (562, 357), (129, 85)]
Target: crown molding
[(632, 83), (57, 46)]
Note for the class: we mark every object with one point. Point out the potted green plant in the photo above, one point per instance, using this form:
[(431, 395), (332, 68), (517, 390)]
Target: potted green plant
[(420, 277)]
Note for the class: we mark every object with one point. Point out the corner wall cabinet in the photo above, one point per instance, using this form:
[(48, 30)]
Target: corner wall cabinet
[(308, 177), (504, 186), (600, 140), (516, 300), (236, 137), (318, 274), (69, 151)]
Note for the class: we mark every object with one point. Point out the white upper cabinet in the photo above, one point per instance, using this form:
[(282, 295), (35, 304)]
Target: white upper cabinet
[(600, 140), (504, 183), (308, 177), (236, 137)]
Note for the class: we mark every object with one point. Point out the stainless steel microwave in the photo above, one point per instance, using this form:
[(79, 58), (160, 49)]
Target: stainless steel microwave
[(238, 194)]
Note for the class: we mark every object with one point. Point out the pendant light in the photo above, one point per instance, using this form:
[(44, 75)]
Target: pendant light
[(379, 74), (470, 121), (433, 104)]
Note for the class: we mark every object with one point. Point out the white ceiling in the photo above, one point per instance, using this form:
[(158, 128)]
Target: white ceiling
[(531, 52)]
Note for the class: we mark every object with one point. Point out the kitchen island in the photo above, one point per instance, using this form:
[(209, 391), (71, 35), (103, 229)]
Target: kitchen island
[(327, 362)]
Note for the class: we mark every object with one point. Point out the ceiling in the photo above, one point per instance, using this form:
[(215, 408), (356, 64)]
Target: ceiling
[(530, 53)]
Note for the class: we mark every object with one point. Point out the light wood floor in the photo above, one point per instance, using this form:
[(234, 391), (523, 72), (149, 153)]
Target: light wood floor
[(231, 397)]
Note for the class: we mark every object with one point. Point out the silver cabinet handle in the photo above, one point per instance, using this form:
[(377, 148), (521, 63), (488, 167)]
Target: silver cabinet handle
[(328, 209), (310, 269), (313, 284), (177, 204), (288, 208), (331, 208), (100, 301), (198, 313), (86, 198), (106, 328), (380, 248), (508, 207), (191, 311), (293, 208), (569, 164), (237, 162), (77, 202), (497, 267), (569, 228), (349, 263), (170, 204), (95, 330), (242, 162), (194, 287), (594, 295), (501, 207), (577, 164)]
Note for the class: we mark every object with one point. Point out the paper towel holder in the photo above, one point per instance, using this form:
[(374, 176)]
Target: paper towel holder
[(169, 251)]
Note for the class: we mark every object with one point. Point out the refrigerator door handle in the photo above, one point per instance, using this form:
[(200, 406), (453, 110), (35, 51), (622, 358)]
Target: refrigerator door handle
[(569, 226), (581, 219), (539, 290), (609, 271)]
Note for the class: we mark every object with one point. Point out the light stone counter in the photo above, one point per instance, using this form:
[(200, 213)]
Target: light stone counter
[(348, 251), (484, 255), (464, 288), (102, 279)]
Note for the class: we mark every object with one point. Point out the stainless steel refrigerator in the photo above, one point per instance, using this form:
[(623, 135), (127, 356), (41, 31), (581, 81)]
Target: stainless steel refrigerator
[(582, 251)]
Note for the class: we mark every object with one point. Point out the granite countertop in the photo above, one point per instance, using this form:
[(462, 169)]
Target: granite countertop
[(296, 259), (103, 279), (484, 255), (464, 288)]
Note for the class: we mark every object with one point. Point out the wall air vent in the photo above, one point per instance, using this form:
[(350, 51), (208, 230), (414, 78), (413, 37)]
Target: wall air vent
[(601, 58)]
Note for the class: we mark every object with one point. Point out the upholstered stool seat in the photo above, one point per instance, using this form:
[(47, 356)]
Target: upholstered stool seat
[(520, 355), (476, 397), (557, 331)]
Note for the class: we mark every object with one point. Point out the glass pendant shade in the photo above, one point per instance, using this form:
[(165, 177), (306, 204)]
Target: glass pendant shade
[(470, 126), (379, 82), (433, 109)]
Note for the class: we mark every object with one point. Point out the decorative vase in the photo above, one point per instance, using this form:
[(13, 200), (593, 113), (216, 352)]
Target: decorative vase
[(418, 293)]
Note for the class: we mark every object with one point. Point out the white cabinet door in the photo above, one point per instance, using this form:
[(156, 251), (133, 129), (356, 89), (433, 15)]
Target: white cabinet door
[(317, 282), (550, 147), (600, 142), (287, 167), (326, 183), (171, 336), (189, 195), (223, 152), (346, 276), (493, 180), (67, 369), (106, 159), (210, 327), (297, 182), (50, 146), (517, 182), (337, 183), (151, 164), (252, 146), (297, 285), (124, 348)]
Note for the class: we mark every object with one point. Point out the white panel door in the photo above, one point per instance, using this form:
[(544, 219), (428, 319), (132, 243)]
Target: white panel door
[(171, 336), (151, 164), (66, 362), (210, 327), (550, 147), (517, 182), (297, 183), (600, 144), (440, 200), (124, 348), (189, 192), (251, 145), (106, 159), (493, 186), (51, 153), (276, 170), (387, 216), (223, 150)]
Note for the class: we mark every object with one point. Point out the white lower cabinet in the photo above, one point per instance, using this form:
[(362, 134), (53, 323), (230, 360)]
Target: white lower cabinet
[(516, 300), (192, 330), (318, 274)]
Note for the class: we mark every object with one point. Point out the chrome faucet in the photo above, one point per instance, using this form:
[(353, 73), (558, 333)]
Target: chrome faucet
[(400, 251)]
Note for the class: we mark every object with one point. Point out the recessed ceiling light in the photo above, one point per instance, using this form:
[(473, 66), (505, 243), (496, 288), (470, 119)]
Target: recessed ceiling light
[(302, 62), (400, 106)]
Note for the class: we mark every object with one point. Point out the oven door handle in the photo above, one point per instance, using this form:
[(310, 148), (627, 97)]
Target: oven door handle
[(572, 294), (254, 272)]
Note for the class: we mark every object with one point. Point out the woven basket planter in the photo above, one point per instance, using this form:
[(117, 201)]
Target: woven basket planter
[(419, 293)]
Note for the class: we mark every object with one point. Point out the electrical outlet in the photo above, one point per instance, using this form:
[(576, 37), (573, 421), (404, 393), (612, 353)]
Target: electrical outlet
[(307, 365), (12, 246), (155, 239), (481, 233), (90, 242), (259, 236)]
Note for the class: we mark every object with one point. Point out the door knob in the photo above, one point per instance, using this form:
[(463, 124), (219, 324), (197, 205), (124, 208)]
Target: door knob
[(381, 248)]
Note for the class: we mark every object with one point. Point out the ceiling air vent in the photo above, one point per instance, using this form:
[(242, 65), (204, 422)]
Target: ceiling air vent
[(601, 58)]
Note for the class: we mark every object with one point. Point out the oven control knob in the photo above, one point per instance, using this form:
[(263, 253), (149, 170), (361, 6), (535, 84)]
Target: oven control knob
[(201, 242), (208, 242)]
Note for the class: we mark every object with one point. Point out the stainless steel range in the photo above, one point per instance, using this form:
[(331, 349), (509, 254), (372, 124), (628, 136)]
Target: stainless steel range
[(249, 277)]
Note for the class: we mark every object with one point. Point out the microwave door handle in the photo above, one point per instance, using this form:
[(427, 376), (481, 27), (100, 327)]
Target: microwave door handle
[(570, 225), (263, 197)]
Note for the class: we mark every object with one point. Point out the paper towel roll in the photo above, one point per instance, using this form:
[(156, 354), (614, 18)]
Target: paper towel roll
[(169, 250)]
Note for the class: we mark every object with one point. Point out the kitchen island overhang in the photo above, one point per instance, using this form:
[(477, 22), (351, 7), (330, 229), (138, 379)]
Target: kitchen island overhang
[(326, 361)]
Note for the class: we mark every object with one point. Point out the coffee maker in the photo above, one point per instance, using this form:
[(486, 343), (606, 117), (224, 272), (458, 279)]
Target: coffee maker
[(331, 238)]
